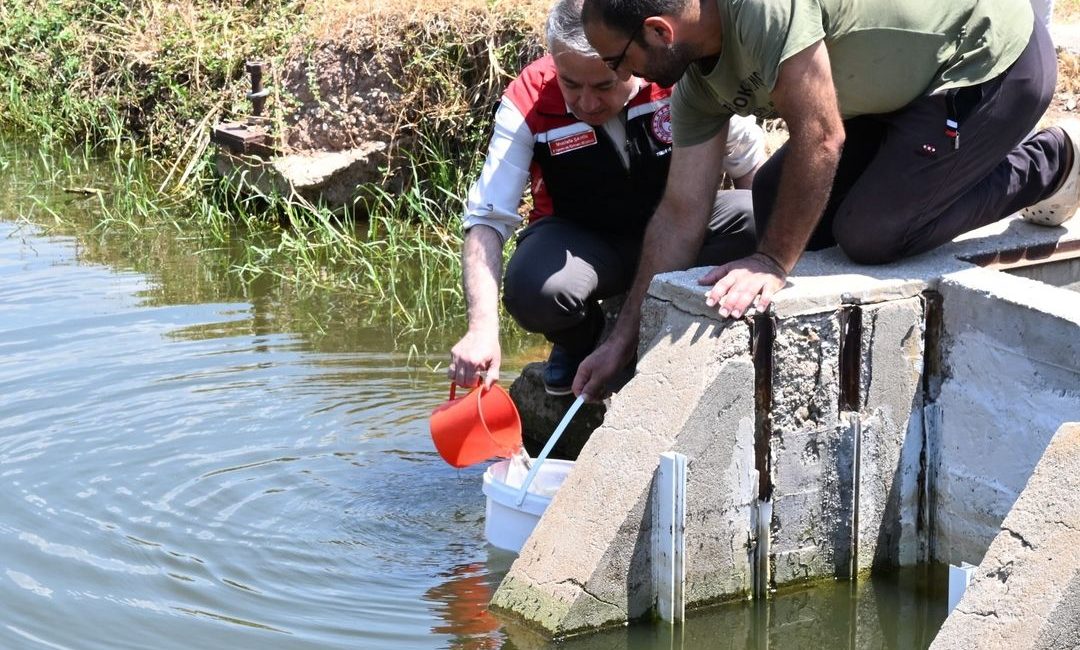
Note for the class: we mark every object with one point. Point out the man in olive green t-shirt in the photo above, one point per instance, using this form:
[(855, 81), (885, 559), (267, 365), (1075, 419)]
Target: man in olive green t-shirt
[(907, 122)]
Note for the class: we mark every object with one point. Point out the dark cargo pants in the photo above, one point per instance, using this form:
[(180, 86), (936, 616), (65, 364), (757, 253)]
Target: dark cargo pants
[(561, 269), (901, 187)]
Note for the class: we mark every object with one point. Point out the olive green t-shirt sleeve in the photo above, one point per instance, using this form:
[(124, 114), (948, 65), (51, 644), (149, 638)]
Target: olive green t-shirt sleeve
[(758, 35), (804, 29), (695, 116)]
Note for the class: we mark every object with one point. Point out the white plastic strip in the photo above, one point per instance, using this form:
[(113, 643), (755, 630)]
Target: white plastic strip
[(959, 579), (762, 547), (548, 447), (669, 552)]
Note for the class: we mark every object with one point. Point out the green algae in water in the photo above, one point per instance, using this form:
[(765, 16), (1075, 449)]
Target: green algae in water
[(902, 610)]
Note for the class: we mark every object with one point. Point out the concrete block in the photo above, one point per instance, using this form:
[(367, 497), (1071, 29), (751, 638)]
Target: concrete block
[(821, 279), (806, 374), (812, 506), (586, 564), (888, 495), (1026, 593), (968, 511), (810, 453), (327, 177), (718, 438), (819, 284), (1012, 375), (892, 357), (892, 434)]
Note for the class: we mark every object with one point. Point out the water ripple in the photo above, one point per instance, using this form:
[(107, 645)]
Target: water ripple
[(177, 462)]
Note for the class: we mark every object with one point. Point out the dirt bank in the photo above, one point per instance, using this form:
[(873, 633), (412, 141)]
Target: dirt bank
[(415, 78), (406, 78)]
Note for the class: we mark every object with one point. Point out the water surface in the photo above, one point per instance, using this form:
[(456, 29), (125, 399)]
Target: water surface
[(188, 460)]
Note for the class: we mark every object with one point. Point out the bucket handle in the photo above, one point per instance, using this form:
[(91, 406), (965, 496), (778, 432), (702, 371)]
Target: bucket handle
[(548, 447), (480, 411), (479, 404), (454, 385)]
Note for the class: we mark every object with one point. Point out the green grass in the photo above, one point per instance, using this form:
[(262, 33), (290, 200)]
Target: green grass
[(137, 86)]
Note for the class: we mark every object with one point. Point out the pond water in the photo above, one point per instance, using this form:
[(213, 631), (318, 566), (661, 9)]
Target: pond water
[(191, 461)]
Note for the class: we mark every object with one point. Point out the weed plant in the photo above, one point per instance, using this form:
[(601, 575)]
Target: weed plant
[(139, 85)]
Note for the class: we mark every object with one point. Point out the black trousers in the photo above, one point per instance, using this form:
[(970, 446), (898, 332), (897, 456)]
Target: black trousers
[(901, 187), (561, 269)]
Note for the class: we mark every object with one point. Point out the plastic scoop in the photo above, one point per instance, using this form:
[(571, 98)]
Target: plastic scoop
[(548, 447)]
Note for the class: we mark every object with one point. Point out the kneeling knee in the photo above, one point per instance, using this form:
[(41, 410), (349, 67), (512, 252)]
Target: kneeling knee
[(537, 310), (877, 245)]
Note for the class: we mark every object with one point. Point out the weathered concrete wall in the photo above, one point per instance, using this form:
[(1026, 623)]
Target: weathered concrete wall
[(899, 411), (846, 483), (810, 454), (586, 565), (892, 436), (1064, 274), (1011, 377), (1026, 593)]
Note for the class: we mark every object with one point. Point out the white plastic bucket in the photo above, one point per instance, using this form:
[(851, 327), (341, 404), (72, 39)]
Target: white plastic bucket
[(507, 524)]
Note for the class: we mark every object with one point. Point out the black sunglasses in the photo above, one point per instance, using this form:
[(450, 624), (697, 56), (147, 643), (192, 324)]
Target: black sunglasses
[(613, 62)]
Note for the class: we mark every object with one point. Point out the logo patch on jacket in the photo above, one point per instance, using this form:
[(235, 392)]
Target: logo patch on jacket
[(661, 124), (572, 142)]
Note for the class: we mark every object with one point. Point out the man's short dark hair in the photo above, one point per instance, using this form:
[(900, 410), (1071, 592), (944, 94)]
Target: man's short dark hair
[(627, 16)]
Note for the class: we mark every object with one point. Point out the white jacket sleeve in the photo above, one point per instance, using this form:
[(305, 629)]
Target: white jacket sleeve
[(494, 198), (745, 146)]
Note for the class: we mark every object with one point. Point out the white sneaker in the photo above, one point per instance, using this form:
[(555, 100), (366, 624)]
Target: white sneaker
[(1060, 206)]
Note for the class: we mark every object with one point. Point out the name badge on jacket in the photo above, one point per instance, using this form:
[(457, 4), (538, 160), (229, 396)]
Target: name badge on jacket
[(572, 142)]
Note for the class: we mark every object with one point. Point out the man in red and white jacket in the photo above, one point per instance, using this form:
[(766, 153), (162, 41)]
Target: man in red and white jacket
[(594, 151)]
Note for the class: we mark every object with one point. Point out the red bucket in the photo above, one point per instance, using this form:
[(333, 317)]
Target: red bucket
[(481, 425)]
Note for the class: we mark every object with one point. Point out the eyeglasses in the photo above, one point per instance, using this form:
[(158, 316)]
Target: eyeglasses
[(613, 62)]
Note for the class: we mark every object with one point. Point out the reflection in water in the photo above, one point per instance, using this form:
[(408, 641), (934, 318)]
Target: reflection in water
[(901, 611), (461, 602)]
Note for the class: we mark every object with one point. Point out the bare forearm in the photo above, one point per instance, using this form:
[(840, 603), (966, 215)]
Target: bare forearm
[(804, 190), (481, 268), (672, 241)]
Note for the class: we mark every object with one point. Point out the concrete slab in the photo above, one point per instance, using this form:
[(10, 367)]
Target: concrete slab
[(1026, 593), (328, 177), (1012, 376), (892, 435), (587, 563), (821, 279), (811, 454)]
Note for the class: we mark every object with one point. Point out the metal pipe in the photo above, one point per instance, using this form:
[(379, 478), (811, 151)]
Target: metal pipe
[(258, 94)]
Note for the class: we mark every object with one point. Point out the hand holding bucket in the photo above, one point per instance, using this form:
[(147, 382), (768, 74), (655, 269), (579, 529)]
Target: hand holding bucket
[(481, 425)]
